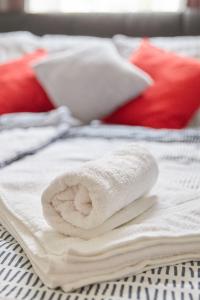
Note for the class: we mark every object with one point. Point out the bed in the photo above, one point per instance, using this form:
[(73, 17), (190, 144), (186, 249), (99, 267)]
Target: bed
[(17, 277)]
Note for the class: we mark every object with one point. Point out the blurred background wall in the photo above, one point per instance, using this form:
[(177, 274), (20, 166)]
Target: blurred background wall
[(12, 5), (96, 5)]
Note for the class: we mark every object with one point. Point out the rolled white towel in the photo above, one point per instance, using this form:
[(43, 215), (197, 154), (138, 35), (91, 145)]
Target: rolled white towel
[(101, 194)]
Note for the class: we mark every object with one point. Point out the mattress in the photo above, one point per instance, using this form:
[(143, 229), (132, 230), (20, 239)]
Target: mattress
[(17, 277)]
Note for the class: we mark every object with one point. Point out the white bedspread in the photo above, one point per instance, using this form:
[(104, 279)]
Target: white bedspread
[(168, 233), (17, 141)]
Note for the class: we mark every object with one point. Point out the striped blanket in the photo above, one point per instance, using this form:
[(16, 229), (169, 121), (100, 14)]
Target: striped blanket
[(17, 278)]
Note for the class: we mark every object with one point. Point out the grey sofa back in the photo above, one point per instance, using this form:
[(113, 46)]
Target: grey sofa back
[(105, 24)]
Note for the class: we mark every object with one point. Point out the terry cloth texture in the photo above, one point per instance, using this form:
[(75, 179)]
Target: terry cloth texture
[(101, 195), (168, 233)]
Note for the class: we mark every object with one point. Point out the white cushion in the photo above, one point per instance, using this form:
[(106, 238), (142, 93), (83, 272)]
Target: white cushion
[(15, 44), (92, 80), (59, 42), (185, 45)]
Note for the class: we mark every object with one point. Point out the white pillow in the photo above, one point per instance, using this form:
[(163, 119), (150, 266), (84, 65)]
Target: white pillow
[(15, 44), (59, 42), (92, 80), (185, 45)]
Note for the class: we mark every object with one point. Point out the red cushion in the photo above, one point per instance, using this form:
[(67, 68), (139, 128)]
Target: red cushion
[(19, 88), (173, 98)]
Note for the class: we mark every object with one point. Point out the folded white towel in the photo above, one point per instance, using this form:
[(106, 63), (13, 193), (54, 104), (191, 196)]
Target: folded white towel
[(101, 195), (165, 234)]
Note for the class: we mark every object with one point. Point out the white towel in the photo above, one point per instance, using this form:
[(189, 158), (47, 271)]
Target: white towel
[(167, 233), (102, 194)]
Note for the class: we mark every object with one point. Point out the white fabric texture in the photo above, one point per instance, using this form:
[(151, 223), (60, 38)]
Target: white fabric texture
[(92, 80), (15, 44), (167, 233), (13, 142), (101, 195), (185, 45), (56, 117), (25, 132), (58, 42)]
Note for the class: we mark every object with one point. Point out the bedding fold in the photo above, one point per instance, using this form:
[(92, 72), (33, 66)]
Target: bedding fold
[(103, 194)]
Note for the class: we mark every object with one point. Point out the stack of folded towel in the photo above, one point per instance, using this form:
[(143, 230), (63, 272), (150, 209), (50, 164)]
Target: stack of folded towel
[(102, 208)]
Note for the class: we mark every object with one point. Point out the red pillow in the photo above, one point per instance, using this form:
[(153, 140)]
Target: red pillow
[(173, 98), (19, 88)]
